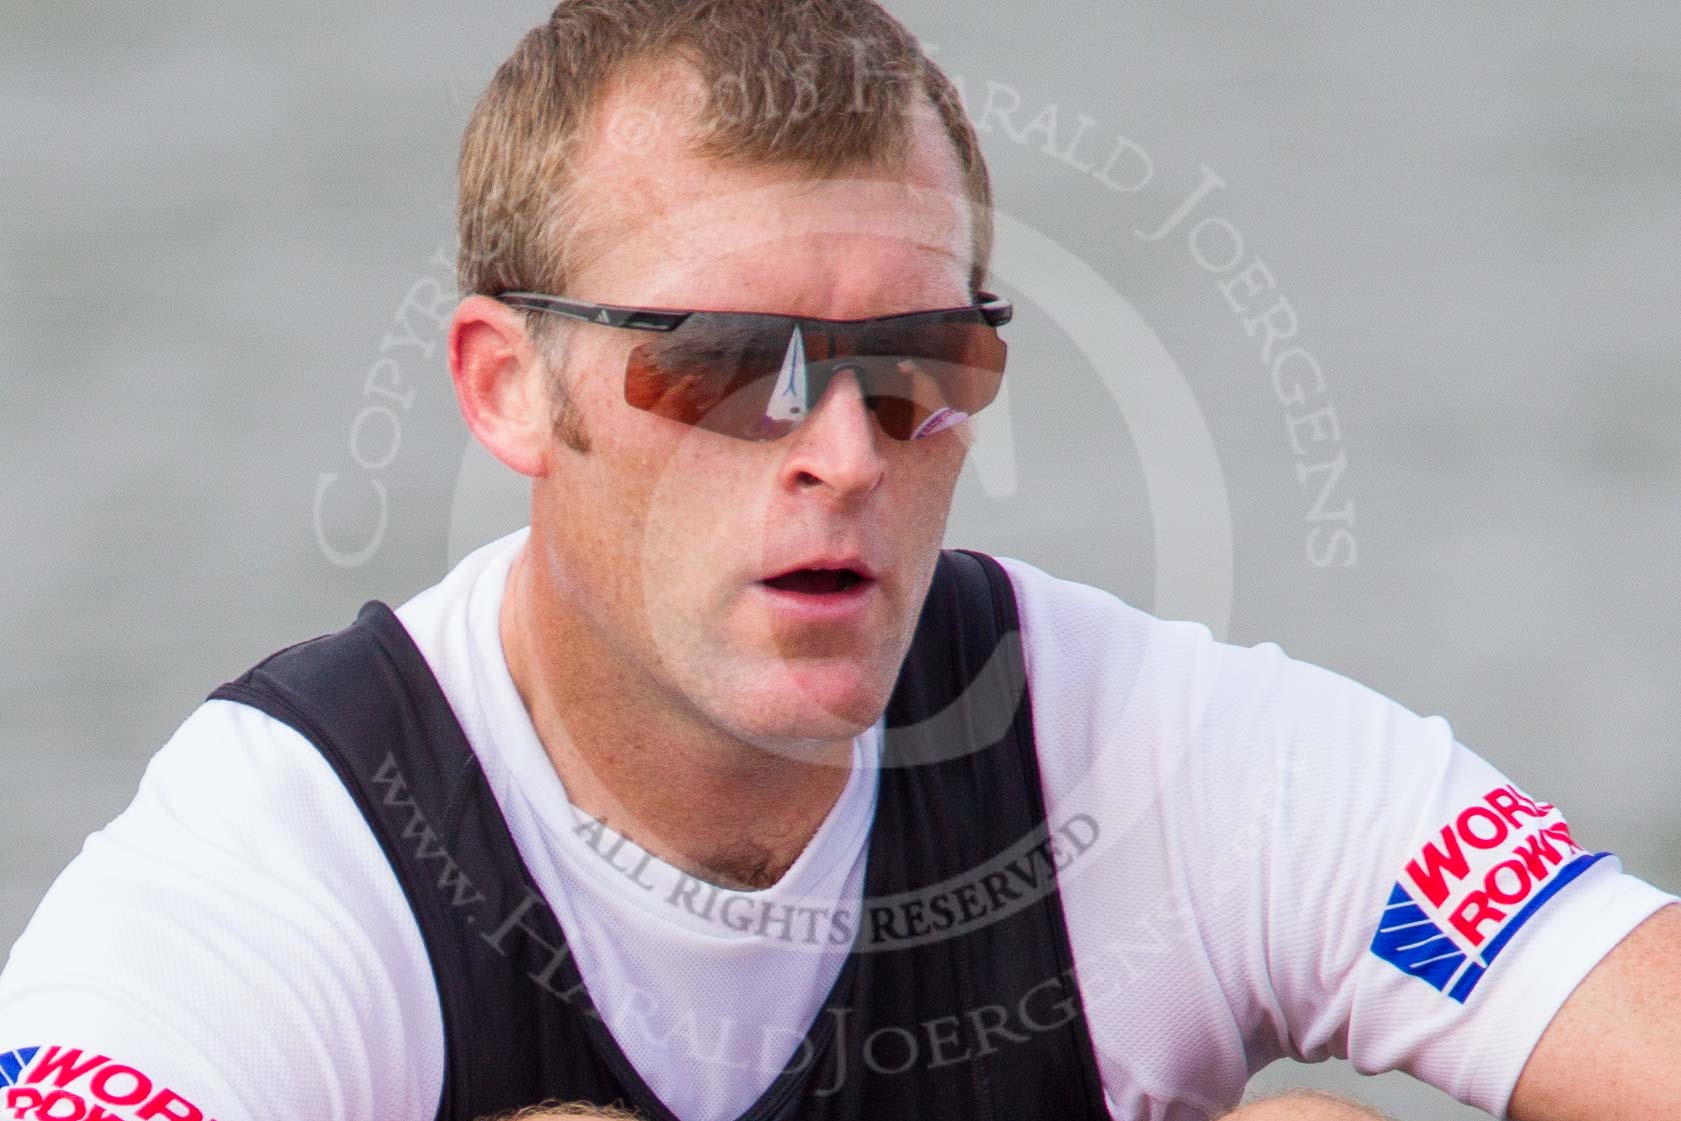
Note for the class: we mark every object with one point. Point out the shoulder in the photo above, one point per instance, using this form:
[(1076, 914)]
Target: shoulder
[(1094, 660), (240, 884), (1163, 899), (1208, 743)]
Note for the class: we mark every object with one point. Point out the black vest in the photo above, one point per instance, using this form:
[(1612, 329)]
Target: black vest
[(958, 997)]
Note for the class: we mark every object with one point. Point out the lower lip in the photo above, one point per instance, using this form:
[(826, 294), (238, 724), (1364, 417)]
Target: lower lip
[(827, 607)]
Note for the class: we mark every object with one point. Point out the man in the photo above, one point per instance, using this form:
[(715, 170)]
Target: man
[(722, 791)]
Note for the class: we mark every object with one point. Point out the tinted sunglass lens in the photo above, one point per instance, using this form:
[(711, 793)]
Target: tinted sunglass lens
[(926, 377), (710, 372), (751, 377)]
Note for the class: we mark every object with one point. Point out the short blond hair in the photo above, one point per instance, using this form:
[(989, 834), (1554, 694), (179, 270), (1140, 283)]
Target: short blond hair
[(819, 85), (555, 1111)]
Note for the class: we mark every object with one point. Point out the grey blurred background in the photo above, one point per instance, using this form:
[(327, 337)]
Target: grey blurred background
[(211, 218)]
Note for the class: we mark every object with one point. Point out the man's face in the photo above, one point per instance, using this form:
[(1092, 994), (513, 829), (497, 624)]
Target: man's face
[(661, 534)]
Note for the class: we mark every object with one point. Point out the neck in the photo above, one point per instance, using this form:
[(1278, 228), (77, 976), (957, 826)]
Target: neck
[(651, 767)]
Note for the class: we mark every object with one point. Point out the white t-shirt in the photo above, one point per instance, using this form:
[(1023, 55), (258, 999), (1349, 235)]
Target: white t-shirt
[(1259, 842)]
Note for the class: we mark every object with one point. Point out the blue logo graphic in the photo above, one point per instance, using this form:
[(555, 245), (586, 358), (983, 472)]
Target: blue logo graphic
[(1410, 940), (14, 1063)]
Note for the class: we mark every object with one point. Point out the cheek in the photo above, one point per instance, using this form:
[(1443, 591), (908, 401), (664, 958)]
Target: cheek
[(684, 505), (922, 480)]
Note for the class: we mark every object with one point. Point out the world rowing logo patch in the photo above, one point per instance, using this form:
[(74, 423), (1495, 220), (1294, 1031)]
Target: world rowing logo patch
[(66, 1084), (1473, 885)]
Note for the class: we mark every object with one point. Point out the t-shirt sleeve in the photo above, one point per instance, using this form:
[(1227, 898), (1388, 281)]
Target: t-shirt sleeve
[(1419, 910), (232, 946)]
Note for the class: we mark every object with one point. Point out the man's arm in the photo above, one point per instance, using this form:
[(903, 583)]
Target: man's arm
[(234, 945), (1303, 1105), (1611, 1052)]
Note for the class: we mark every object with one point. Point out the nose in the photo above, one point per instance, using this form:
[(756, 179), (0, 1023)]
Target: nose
[(838, 449)]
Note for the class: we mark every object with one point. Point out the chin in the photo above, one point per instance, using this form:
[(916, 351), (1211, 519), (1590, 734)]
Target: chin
[(813, 705)]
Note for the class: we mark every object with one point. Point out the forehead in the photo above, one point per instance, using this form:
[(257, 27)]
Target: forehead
[(660, 224)]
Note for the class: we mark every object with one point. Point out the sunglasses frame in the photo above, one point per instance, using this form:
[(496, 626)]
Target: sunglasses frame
[(995, 310)]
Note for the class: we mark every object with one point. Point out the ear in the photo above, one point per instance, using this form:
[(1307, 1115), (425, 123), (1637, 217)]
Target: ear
[(498, 383)]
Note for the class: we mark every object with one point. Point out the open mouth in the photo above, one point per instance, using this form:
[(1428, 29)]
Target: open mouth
[(816, 581)]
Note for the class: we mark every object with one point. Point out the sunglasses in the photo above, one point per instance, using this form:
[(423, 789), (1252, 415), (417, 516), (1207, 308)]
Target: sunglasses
[(757, 376)]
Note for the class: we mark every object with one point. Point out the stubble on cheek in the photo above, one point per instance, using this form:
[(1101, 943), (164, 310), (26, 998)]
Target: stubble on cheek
[(679, 522)]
